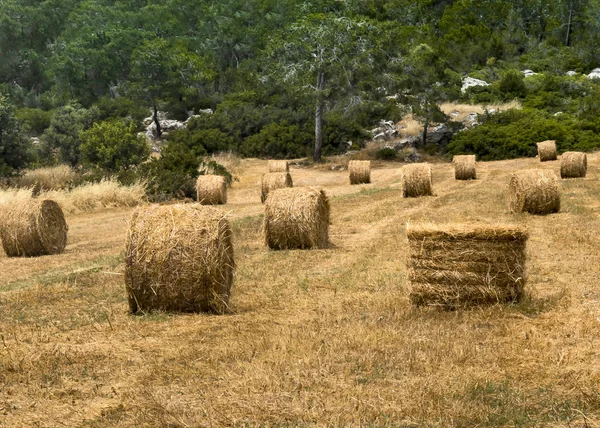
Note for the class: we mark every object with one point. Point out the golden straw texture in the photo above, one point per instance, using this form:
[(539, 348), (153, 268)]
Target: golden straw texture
[(296, 218), (416, 180), (360, 171), (465, 167), (32, 227), (547, 150), (463, 265), (179, 258), (273, 181), (211, 189), (573, 165), (278, 166), (533, 191)]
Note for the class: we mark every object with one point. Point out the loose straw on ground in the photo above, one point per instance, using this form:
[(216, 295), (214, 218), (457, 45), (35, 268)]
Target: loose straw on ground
[(573, 165), (360, 171), (278, 166), (179, 258), (273, 181), (32, 227), (533, 191), (296, 218), (547, 150), (464, 167), (463, 265), (416, 180), (211, 189)]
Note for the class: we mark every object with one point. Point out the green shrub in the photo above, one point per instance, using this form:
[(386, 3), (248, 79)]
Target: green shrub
[(121, 107), (512, 85), (35, 119), (387, 153), (278, 141)]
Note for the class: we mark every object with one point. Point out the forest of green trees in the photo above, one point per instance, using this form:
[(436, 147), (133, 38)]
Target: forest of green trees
[(285, 78)]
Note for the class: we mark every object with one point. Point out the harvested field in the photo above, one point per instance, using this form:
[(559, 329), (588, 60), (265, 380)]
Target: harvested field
[(320, 337)]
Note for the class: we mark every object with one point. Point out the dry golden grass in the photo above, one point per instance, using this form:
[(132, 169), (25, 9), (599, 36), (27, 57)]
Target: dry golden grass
[(51, 178), (319, 337), (86, 198)]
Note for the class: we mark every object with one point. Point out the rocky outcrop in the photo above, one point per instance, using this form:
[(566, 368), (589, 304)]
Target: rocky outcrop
[(167, 125), (469, 82), (385, 131)]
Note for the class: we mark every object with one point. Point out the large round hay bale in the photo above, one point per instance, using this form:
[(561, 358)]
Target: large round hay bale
[(533, 191), (547, 150), (573, 165), (296, 218), (273, 181), (416, 180), (211, 189), (464, 265), (360, 171), (33, 227), (179, 258), (464, 167), (278, 166)]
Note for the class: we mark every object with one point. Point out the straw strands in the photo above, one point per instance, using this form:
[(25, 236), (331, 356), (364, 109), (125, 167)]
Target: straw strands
[(416, 180), (273, 181), (547, 150), (179, 258), (32, 227), (278, 166), (296, 218), (464, 167), (573, 165), (360, 171), (463, 265), (533, 191), (211, 189)]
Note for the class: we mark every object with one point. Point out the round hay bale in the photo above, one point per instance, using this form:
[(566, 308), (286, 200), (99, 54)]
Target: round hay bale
[(296, 218), (273, 181), (33, 227), (278, 166), (464, 167), (533, 191), (179, 258), (211, 189), (547, 150), (360, 171), (464, 265), (573, 165), (416, 180)]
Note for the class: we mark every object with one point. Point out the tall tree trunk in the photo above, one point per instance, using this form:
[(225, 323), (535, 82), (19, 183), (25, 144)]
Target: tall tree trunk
[(569, 22), (319, 118), (156, 121), (425, 126)]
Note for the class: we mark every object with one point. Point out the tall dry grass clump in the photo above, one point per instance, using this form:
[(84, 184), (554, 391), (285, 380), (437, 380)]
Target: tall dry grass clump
[(296, 218), (211, 189), (360, 171), (273, 181), (573, 165), (32, 227), (278, 166), (51, 178), (533, 191), (463, 265), (547, 150), (416, 180), (465, 167), (14, 194), (179, 258)]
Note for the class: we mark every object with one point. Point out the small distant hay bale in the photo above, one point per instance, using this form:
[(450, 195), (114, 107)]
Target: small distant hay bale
[(573, 165), (179, 258), (534, 191), (463, 265), (547, 150), (273, 181), (278, 166), (416, 180), (296, 218), (360, 171), (465, 167), (211, 189), (32, 228)]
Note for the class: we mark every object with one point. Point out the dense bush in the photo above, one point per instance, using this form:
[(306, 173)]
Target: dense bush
[(386, 153), (278, 141), (35, 120), (515, 133)]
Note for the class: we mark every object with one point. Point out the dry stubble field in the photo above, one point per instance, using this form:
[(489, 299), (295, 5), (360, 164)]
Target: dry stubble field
[(323, 337)]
